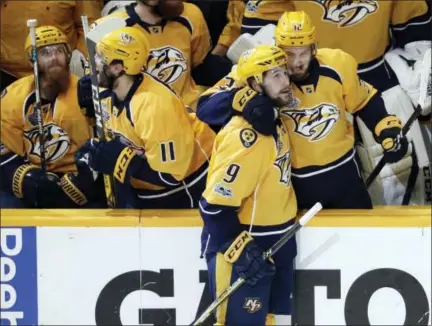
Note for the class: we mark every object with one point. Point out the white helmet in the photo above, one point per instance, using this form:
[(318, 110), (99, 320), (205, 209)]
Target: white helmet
[(113, 6)]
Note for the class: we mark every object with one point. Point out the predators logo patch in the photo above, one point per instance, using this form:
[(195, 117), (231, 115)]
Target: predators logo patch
[(316, 123), (166, 64), (248, 137), (57, 142), (347, 13), (283, 163)]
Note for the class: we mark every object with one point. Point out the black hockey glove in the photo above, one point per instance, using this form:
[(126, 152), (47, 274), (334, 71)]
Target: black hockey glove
[(80, 186), (112, 157), (247, 259), (34, 187), (258, 109), (388, 132)]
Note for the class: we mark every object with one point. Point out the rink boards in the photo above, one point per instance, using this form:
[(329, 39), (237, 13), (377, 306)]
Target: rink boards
[(103, 267)]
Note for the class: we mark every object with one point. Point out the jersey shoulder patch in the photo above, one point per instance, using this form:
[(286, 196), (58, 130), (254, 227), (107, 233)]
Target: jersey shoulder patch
[(248, 137), (3, 93)]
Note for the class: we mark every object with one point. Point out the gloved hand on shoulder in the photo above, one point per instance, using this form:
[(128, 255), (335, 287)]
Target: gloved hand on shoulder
[(258, 109)]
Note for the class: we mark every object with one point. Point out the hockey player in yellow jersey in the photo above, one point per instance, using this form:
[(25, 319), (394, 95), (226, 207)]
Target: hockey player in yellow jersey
[(326, 84), (327, 87), (391, 42), (249, 200), (23, 182), (179, 44), (160, 151)]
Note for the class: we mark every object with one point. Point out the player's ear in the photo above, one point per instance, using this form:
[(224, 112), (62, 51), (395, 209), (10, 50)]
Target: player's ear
[(255, 85), (314, 49), (117, 67)]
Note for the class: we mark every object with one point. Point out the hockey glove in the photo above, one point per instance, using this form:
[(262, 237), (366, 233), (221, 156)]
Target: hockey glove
[(85, 98), (247, 259), (388, 132), (259, 110), (78, 186), (112, 157), (34, 187)]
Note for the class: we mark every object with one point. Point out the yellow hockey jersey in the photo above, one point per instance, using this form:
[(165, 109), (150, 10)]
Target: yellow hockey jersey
[(177, 46), (359, 27), (252, 172), (319, 130), (154, 121), (66, 15), (65, 128)]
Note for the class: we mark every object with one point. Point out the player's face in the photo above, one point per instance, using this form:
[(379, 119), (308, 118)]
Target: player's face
[(53, 59), (299, 59), (106, 77), (276, 84), (53, 64)]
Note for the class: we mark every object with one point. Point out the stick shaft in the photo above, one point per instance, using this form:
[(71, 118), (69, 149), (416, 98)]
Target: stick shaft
[(32, 23)]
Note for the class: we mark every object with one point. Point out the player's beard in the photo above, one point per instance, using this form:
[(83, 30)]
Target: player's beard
[(106, 80), (301, 73), (54, 80), (284, 97)]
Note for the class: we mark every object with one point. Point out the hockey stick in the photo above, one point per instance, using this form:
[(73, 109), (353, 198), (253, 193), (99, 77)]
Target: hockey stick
[(32, 24), (279, 244), (101, 130), (382, 161)]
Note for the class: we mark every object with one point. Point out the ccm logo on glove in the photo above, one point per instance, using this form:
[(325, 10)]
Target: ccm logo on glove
[(236, 248), (123, 162)]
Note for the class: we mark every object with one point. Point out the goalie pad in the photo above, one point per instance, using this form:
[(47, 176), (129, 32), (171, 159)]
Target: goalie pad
[(404, 182), (77, 63), (265, 36), (412, 67)]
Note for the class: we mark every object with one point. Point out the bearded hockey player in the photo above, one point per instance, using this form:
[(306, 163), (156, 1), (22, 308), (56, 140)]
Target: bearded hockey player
[(159, 152), (179, 44), (326, 86), (249, 200), (397, 63), (23, 182)]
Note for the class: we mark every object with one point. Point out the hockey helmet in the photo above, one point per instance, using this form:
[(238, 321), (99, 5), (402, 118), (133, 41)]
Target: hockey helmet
[(254, 62), (295, 28), (46, 35), (126, 44)]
